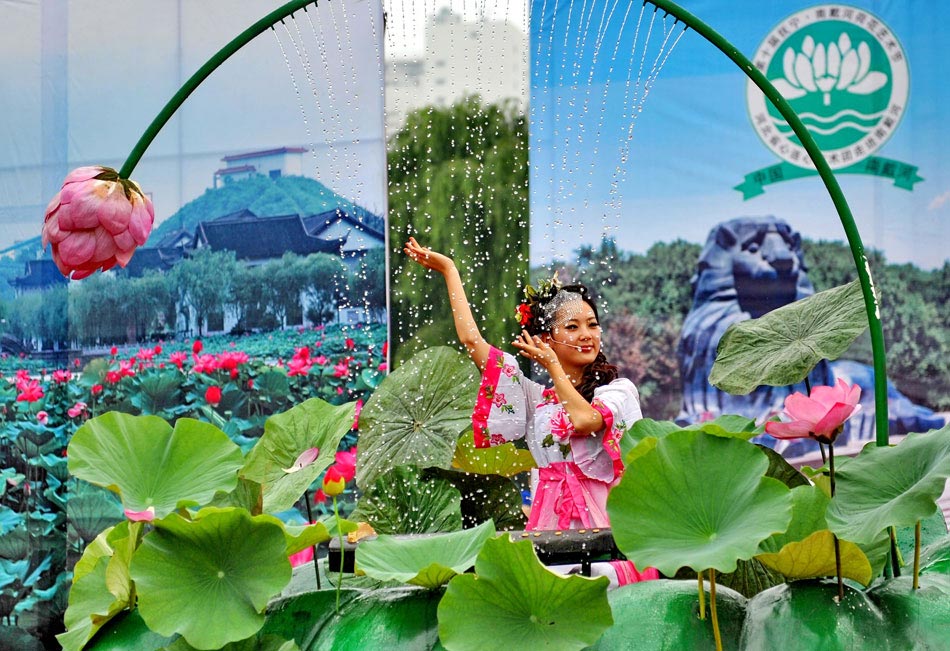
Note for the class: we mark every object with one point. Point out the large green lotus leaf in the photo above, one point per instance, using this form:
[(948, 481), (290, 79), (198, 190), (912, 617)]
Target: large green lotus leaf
[(300, 537), (783, 346), (124, 540), (804, 616), (127, 631), (505, 460), (427, 561), (917, 619), (210, 579), (730, 425), (782, 470), (664, 616), (253, 643), (149, 464), (311, 424), (643, 429), (894, 486), (814, 557), (514, 602), (806, 549), (156, 392), (91, 510), (935, 557), (416, 414), (809, 504), (696, 500), (399, 619), (91, 605), (401, 502)]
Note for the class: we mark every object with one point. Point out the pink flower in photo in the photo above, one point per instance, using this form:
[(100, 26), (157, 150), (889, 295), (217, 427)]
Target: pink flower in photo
[(62, 376), (349, 344), (77, 410), (178, 358), (213, 395), (356, 415), (42, 417), (508, 369), (499, 399), (820, 416), (341, 370), (96, 221), (30, 392)]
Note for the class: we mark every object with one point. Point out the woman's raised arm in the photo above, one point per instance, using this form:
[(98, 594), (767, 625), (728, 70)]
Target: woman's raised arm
[(465, 326)]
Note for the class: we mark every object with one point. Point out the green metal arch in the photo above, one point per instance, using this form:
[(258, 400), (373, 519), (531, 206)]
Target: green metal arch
[(837, 196), (201, 74)]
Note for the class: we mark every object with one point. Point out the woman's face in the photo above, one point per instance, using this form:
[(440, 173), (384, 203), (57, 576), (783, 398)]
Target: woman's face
[(575, 336)]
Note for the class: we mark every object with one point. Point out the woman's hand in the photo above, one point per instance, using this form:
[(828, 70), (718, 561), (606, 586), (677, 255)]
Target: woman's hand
[(536, 349), (427, 257)]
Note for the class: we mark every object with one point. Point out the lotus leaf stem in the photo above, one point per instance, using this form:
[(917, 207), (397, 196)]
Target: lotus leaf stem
[(917, 556), (316, 566), (712, 608), (202, 73), (831, 472)]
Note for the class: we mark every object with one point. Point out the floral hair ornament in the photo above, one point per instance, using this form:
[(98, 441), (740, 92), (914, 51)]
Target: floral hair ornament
[(534, 307)]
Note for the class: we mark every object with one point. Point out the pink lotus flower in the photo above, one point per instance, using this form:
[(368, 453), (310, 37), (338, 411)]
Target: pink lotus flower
[(178, 358), (141, 516), (820, 416), (96, 221), (346, 464), (76, 410), (341, 370), (61, 377), (42, 417), (30, 392)]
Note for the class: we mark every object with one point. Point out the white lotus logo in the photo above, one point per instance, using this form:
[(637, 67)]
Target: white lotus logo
[(820, 69)]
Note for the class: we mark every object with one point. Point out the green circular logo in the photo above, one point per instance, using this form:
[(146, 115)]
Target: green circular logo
[(845, 74)]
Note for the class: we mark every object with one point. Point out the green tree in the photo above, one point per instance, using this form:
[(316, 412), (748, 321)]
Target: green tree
[(368, 282), (326, 280), (458, 180), (249, 299), (203, 281), (41, 318)]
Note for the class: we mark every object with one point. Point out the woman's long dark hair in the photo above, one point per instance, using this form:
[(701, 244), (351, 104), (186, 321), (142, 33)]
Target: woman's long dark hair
[(597, 373)]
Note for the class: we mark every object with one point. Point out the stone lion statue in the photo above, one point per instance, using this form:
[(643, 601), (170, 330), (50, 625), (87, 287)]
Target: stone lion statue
[(748, 267)]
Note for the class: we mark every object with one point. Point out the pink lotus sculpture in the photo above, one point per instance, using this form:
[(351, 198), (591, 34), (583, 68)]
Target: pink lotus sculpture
[(96, 221)]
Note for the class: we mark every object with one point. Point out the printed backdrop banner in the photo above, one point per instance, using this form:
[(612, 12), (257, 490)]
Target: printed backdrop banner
[(82, 81), (663, 176)]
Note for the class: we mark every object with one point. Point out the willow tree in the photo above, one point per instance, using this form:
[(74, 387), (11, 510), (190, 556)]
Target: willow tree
[(458, 182)]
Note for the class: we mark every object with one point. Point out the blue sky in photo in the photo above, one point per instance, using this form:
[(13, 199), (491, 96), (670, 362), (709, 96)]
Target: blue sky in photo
[(672, 174)]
